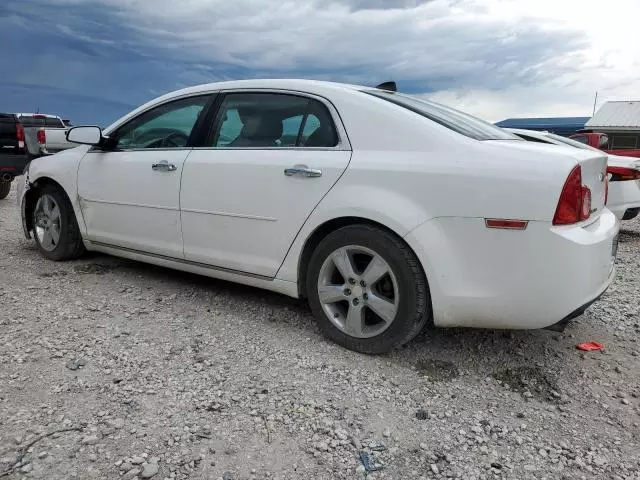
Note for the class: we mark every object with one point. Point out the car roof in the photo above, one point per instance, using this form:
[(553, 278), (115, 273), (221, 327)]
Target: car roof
[(314, 87), (284, 83), (318, 87)]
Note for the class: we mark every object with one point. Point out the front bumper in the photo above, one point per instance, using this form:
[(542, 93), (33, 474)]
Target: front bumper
[(22, 186), (527, 279)]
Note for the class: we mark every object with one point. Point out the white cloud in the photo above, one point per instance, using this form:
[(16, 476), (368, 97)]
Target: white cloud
[(493, 58)]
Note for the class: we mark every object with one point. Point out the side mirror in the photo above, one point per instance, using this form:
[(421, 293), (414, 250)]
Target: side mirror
[(603, 141), (85, 135)]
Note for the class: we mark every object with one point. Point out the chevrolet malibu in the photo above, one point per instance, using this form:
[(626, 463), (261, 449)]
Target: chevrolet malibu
[(385, 211)]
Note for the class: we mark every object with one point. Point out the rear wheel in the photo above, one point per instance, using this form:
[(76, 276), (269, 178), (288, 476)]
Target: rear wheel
[(367, 289), (55, 226), (5, 188)]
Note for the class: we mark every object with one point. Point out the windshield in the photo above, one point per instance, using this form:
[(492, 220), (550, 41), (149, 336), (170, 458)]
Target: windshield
[(571, 142), (448, 117)]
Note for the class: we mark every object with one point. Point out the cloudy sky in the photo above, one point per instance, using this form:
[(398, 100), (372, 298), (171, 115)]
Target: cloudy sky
[(94, 60)]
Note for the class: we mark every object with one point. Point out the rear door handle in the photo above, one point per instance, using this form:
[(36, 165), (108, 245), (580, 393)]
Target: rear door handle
[(302, 171), (164, 166)]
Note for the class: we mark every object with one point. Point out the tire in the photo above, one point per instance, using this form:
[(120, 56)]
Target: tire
[(68, 244), (408, 306), (5, 188), (629, 214)]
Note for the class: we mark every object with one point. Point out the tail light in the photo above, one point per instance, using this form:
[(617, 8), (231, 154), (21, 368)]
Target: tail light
[(574, 204), (621, 174), (20, 135), (41, 136)]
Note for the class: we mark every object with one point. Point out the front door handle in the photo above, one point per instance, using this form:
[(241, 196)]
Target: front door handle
[(302, 171), (164, 166)]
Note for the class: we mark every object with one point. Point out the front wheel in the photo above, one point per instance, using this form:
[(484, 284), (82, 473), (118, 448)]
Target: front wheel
[(367, 289), (55, 226), (5, 188)]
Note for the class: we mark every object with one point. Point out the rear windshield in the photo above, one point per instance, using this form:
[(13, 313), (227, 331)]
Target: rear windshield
[(40, 121), (448, 117)]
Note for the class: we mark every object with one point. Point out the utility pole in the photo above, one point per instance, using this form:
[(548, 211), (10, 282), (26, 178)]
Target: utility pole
[(594, 104)]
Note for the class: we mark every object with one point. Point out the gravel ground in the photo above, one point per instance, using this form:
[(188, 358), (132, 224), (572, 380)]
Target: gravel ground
[(169, 375)]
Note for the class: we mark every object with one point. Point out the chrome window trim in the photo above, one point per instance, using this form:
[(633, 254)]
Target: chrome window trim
[(123, 150)]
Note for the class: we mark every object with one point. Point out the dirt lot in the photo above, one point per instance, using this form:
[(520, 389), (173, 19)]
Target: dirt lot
[(168, 375)]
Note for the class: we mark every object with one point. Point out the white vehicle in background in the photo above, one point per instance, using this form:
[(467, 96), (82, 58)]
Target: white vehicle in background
[(49, 131), (624, 173), (385, 211)]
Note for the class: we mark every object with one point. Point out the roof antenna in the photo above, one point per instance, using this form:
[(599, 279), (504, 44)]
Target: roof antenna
[(389, 86)]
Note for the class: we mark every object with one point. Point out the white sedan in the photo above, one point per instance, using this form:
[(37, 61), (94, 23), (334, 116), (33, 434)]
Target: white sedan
[(624, 173), (384, 210)]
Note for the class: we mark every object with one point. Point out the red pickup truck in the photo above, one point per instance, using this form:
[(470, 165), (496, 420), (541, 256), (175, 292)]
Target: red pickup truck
[(601, 142)]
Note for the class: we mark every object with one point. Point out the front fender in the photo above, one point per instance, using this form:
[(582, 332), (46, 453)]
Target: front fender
[(22, 187), (61, 169)]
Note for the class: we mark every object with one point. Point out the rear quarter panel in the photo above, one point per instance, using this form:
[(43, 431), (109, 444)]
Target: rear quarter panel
[(406, 170)]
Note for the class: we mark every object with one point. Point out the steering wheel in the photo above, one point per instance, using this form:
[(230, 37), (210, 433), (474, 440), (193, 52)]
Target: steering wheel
[(170, 140)]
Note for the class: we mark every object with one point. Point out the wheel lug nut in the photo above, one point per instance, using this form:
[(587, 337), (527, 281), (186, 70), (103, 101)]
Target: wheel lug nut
[(365, 297), (347, 292), (352, 281), (356, 301), (362, 283)]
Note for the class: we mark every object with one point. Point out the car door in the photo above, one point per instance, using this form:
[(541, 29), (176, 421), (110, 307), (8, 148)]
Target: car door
[(129, 190), (268, 161)]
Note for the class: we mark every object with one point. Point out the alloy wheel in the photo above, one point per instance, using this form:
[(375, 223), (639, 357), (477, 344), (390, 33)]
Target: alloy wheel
[(358, 291), (47, 222)]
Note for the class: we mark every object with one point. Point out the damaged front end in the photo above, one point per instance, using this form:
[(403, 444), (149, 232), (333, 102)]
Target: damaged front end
[(24, 199)]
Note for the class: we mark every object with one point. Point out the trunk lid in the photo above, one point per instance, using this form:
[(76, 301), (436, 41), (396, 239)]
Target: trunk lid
[(594, 174)]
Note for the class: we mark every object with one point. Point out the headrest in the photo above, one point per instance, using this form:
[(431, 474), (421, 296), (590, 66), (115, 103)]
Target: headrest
[(263, 127)]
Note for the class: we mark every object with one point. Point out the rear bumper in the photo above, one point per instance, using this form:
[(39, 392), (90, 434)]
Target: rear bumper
[(623, 196), (13, 163), (514, 279)]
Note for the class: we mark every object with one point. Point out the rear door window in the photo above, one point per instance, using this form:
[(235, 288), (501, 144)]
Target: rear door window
[(272, 120)]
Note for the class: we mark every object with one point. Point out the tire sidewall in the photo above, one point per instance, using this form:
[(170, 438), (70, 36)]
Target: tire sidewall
[(66, 220), (383, 245), (5, 188)]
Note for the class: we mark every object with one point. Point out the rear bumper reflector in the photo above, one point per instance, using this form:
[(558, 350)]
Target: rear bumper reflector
[(506, 224)]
